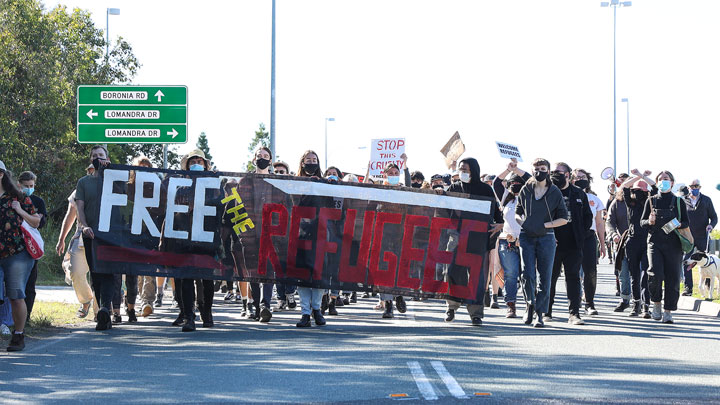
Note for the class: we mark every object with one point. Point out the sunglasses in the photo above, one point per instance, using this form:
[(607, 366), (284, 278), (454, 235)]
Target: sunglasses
[(694, 186)]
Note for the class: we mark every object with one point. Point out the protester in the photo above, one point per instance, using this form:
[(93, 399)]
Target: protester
[(582, 179), (636, 191), (437, 182), (540, 208), (332, 300), (508, 249), (310, 298), (416, 179), (75, 262), (665, 253), (26, 181), (702, 219), (15, 262), (470, 183), (281, 168), (616, 225)]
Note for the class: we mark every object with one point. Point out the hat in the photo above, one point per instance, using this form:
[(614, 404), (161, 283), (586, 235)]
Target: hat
[(195, 153), (2, 166), (641, 185), (436, 177)]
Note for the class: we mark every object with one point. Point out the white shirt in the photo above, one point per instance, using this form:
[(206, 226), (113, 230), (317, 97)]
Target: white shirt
[(596, 206), (511, 226)]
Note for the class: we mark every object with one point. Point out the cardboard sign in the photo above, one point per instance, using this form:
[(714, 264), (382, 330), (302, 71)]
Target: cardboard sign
[(384, 151), (509, 151), (453, 149)]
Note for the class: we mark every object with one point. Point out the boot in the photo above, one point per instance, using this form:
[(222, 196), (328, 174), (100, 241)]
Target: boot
[(189, 325), (450, 315), (207, 319), (132, 317), (324, 303), (388, 314), (339, 302), (646, 312), (529, 313), (487, 298), (494, 304), (319, 319), (622, 306), (636, 309), (304, 322), (400, 303), (17, 342), (353, 297), (331, 308), (244, 312), (511, 311)]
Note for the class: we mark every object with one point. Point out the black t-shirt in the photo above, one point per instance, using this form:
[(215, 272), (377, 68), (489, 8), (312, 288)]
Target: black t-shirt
[(564, 234)]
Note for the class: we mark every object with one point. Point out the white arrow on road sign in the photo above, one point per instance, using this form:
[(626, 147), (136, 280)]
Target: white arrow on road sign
[(174, 133), (159, 95), (91, 114)]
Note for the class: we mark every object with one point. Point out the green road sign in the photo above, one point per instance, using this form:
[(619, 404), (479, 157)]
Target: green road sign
[(132, 114)]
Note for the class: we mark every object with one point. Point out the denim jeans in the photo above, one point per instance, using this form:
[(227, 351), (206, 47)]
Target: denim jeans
[(310, 299), (538, 254), (284, 289), (510, 262), (14, 273), (625, 289)]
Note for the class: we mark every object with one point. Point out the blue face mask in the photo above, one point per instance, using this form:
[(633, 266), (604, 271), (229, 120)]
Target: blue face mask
[(333, 178), (695, 192), (664, 186), (393, 180), (28, 191), (197, 168)]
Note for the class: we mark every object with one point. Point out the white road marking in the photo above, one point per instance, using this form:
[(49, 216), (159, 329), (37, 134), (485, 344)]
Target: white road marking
[(426, 389), (449, 380)]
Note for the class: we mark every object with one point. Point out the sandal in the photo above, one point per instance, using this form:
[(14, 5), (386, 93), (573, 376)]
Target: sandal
[(82, 312)]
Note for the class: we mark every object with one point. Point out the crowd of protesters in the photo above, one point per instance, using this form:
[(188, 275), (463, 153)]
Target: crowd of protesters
[(548, 221)]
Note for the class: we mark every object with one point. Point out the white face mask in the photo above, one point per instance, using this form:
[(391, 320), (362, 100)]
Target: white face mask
[(393, 180), (465, 177)]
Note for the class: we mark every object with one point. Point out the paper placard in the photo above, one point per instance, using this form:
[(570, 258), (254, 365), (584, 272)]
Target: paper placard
[(509, 151), (453, 149), (384, 151)]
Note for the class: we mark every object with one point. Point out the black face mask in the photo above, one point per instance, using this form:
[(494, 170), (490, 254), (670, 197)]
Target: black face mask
[(559, 180), (416, 185), (583, 184), (438, 187), (540, 176), (515, 188), (311, 168), (96, 163), (262, 164)]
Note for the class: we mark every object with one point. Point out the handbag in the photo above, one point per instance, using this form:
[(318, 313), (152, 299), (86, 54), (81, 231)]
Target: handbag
[(33, 241), (686, 239)]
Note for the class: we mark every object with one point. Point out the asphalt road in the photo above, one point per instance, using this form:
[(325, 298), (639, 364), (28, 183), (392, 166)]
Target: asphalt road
[(359, 357)]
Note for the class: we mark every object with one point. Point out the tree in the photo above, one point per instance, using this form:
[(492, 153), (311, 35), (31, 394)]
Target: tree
[(202, 144), (44, 56), (261, 138)]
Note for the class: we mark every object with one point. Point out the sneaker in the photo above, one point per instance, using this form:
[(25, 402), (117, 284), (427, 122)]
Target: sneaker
[(388, 314), (189, 325), (4, 330), (365, 295), (450, 315), (539, 323), (494, 304), (147, 310), (476, 321), (590, 310), (331, 308), (229, 296), (635, 309), (339, 302), (646, 312), (353, 297), (547, 318), (656, 311), (281, 305), (304, 322), (346, 300), (174, 304), (17, 342), (622, 306), (158, 301), (687, 292), (400, 303), (324, 303), (103, 320), (319, 319), (265, 314), (131, 315), (291, 301), (511, 311), (116, 318), (667, 317), (380, 305), (575, 319)]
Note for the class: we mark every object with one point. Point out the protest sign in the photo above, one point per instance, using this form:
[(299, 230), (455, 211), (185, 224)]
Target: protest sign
[(266, 228), (453, 149), (384, 151), (508, 151)]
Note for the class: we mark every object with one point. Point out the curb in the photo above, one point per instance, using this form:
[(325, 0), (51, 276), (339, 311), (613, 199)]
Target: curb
[(698, 305)]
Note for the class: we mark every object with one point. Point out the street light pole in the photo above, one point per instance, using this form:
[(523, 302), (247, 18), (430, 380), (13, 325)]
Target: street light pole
[(272, 83), (326, 152), (627, 104), (615, 4), (108, 13)]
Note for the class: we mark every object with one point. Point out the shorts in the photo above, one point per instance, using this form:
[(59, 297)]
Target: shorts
[(15, 272)]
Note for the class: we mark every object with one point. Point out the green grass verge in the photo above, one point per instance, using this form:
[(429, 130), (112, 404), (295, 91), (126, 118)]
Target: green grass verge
[(48, 317), (696, 292), (50, 270)]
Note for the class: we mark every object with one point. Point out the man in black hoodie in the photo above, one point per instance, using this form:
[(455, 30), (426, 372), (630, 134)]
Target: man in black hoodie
[(570, 238)]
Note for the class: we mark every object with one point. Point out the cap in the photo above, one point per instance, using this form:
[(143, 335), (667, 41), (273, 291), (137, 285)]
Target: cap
[(436, 177), (641, 185), (2, 166), (195, 153)]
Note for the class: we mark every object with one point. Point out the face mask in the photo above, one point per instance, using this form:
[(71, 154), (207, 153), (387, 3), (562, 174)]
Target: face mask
[(262, 164), (438, 187), (540, 176), (515, 188), (695, 192), (665, 186), (28, 191), (333, 178), (465, 177), (559, 180), (393, 180), (96, 163), (583, 184), (416, 185), (197, 168), (311, 168)]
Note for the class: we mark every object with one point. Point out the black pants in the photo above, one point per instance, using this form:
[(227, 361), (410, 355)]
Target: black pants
[(30, 289), (266, 296), (185, 296), (102, 283), (570, 260), (637, 255), (665, 261), (131, 285), (589, 266)]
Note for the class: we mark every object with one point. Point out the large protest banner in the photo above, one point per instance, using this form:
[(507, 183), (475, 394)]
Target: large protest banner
[(266, 228)]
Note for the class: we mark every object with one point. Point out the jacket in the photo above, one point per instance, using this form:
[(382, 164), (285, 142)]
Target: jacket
[(534, 222), (582, 217), (700, 216)]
